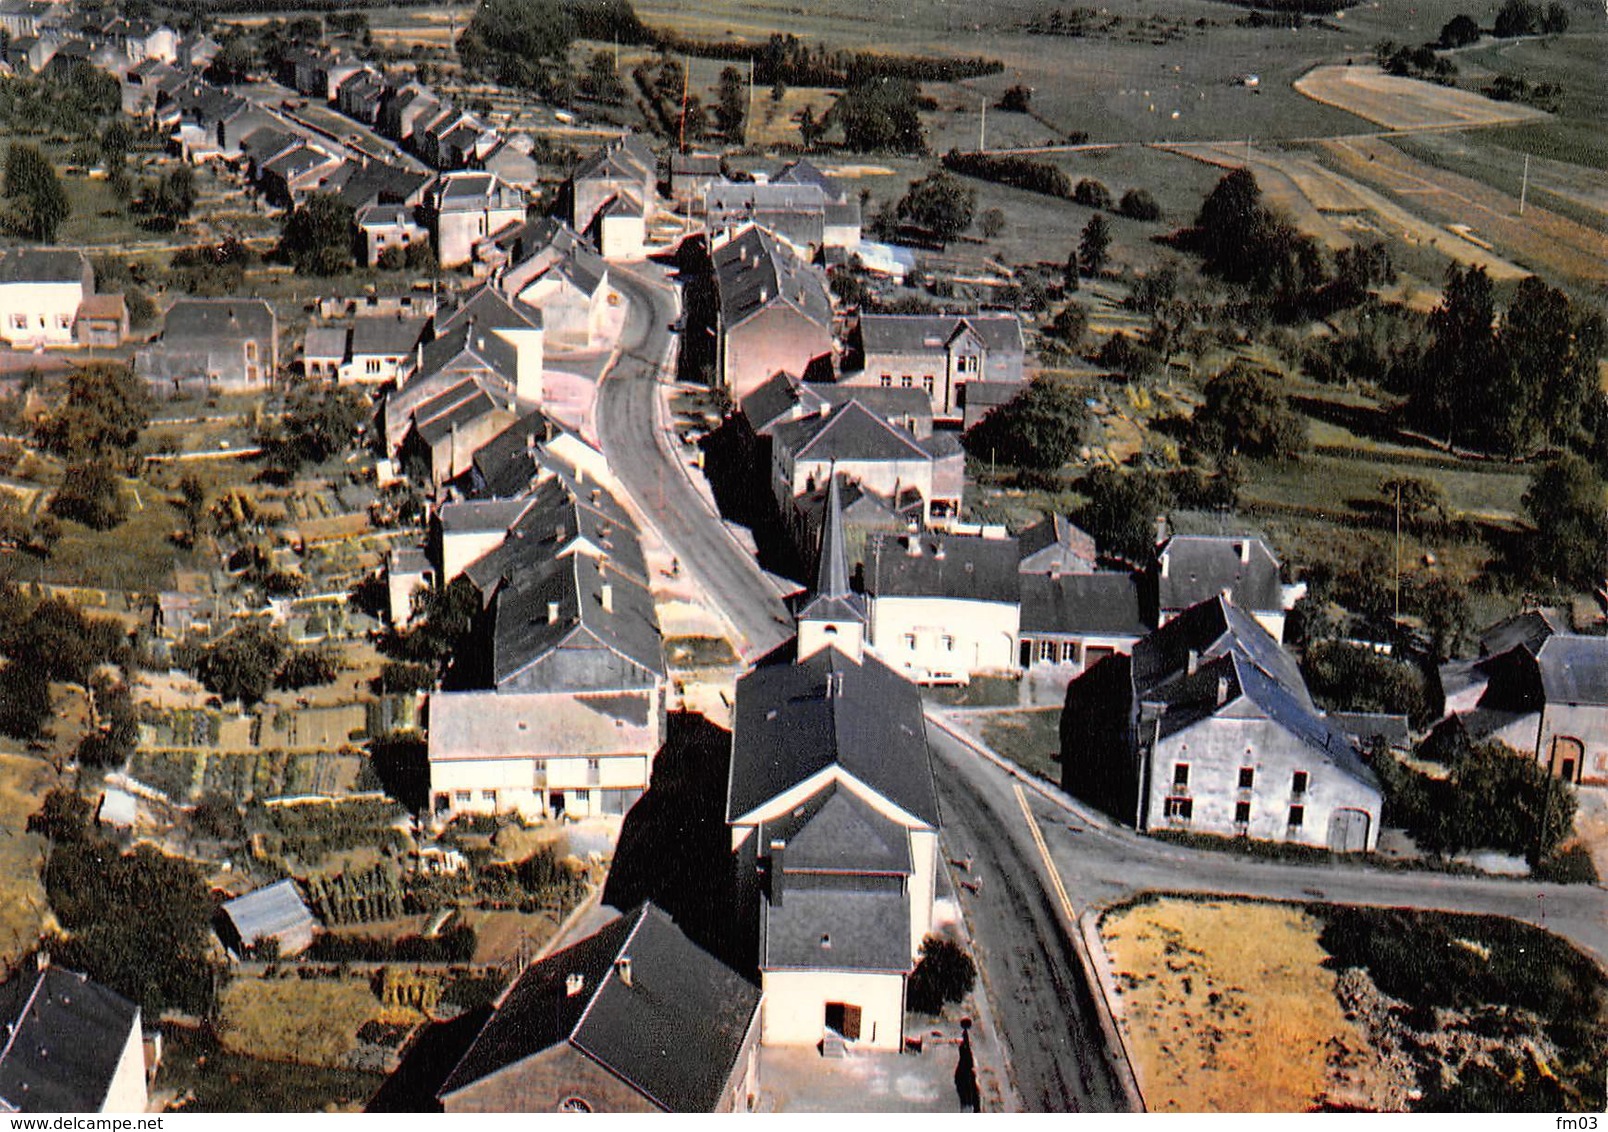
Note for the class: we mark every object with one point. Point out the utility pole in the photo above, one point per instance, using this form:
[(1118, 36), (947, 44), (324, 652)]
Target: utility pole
[(1398, 556), (686, 77), (748, 114), (982, 127), (1524, 187)]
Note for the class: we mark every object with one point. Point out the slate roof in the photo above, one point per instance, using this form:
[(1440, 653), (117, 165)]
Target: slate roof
[(847, 924), (548, 522), (471, 191), (785, 395), (959, 567), (850, 432), (1199, 567), (386, 335), (64, 1036), (377, 183), (489, 308), (467, 346), (435, 420), (205, 321), (837, 831), (524, 635), (1105, 605), (1056, 544), (832, 599), (753, 264), (1574, 670), (918, 333), (1208, 629), (787, 728), (269, 911), (510, 461), (1530, 628), (804, 172), (674, 1033), (42, 265), (325, 342)]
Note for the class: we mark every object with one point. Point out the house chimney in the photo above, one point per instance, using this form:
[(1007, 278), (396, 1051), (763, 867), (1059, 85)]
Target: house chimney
[(776, 850), (552, 613), (574, 984), (597, 495), (764, 295), (1222, 690), (1244, 548), (913, 545), (938, 550), (1193, 662), (622, 968), (605, 595)]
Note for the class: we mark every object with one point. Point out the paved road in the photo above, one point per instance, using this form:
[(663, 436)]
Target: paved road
[(638, 451), (1041, 1001)]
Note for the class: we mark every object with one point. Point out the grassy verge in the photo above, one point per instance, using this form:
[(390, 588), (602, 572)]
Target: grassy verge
[(309, 1021), (23, 782), (983, 691), (1030, 739)]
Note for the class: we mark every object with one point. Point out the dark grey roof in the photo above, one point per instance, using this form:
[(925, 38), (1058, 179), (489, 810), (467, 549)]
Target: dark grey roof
[(1366, 725), (673, 1032), (960, 567), (64, 1036), (1097, 604), (850, 432), (378, 183), (628, 156), (1574, 670), (1209, 629), (435, 420), (803, 172), (42, 265), (793, 721), (206, 321), (324, 342), (754, 270), (1198, 567), (489, 308), (1056, 544), (510, 461), (773, 400), (837, 924), (1530, 629), (384, 335), (584, 644), (268, 911), (915, 333), (467, 346), (547, 524), (836, 831)]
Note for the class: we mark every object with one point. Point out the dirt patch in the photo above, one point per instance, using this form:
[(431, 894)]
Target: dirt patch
[(23, 908), (1406, 104), (1226, 1006)]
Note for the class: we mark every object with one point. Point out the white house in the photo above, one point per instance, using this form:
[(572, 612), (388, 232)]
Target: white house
[(468, 207), (40, 290), (71, 1045)]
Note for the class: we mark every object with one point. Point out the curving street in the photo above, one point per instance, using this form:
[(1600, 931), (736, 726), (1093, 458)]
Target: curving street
[(638, 450)]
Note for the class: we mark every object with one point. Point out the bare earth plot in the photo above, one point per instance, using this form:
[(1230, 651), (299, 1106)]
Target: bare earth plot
[(1407, 104), (1540, 239)]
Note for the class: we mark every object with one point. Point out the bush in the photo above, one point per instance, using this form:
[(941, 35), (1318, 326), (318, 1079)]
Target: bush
[(1137, 204), (945, 973), (1041, 428), (1092, 194), (1017, 172)]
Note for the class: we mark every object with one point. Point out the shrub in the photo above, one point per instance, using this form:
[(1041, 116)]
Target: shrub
[(1137, 204), (1092, 194), (944, 974)]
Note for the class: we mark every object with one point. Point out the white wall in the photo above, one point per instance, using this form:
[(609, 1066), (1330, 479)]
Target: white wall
[(45, 312), (953, 640), (794, 1008), (127, 1090)]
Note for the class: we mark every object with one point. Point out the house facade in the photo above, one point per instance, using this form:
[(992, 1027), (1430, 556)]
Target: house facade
[(939, 354), (468, 207), (223, 345), (40, 293), (71, 1045), (774, 313)]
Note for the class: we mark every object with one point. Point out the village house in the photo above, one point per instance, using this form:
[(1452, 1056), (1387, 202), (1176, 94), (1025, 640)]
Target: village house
[(71, 1045), (383, 349), (550, 267), (324, 352), (1055, 545), (834, 823), (942, 355), (1190, 569), (773, 313), (944, 607), (213, 345), (624, 168), (102, 320), (1070, 622), (1545, 695), (381, 227), (40, 293), (1208, 727), (634, 1018), (468, 207)]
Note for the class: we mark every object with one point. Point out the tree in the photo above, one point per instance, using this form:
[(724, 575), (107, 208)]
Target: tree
[(602, 79), (1094, 246), (37, 202), (1041, 427), (24, 700), (1565, 500), (1550, 349), (171, 199), (992, 223), (243, 664), (1018, 99), (1517, 17), (101, 412), (21, 529), (1247, 414), (321, 420), (809, 129), (1138, 204), (1452, 390), (517, 42), (306, 668), (1348, 677), (317, 237), (1069, 326), (1070, 273), (1416, 497), (1122, 510), (1556, 20), (945, 973), (880, 113), (1091, 194), (1459, 31), (442, 618), (731, 104), (940, 204), (1443, 608), (89, 495)]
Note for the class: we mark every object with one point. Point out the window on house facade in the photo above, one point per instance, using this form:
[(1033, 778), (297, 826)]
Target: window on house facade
[(1247, 777), (63, 322), (1069, 651), (1096, 653), (19, 322), (489, 796), (887, 381), (461, 797), (1180, 809), (907, 382), (1242, 813), (372, 366), (1298, 783), (966, 364), (949, 643), (251, 350), (926, 383), (1297, 816), (1180, 776), (910, 641), (1047, 651)]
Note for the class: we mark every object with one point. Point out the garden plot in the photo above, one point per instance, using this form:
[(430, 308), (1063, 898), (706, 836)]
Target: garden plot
[(1407, 104)]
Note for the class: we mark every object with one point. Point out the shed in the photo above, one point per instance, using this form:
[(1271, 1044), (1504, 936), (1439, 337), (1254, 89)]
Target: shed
[(275, 912)]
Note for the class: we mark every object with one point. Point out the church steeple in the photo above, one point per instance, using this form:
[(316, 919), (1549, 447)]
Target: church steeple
[(835, 614)]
